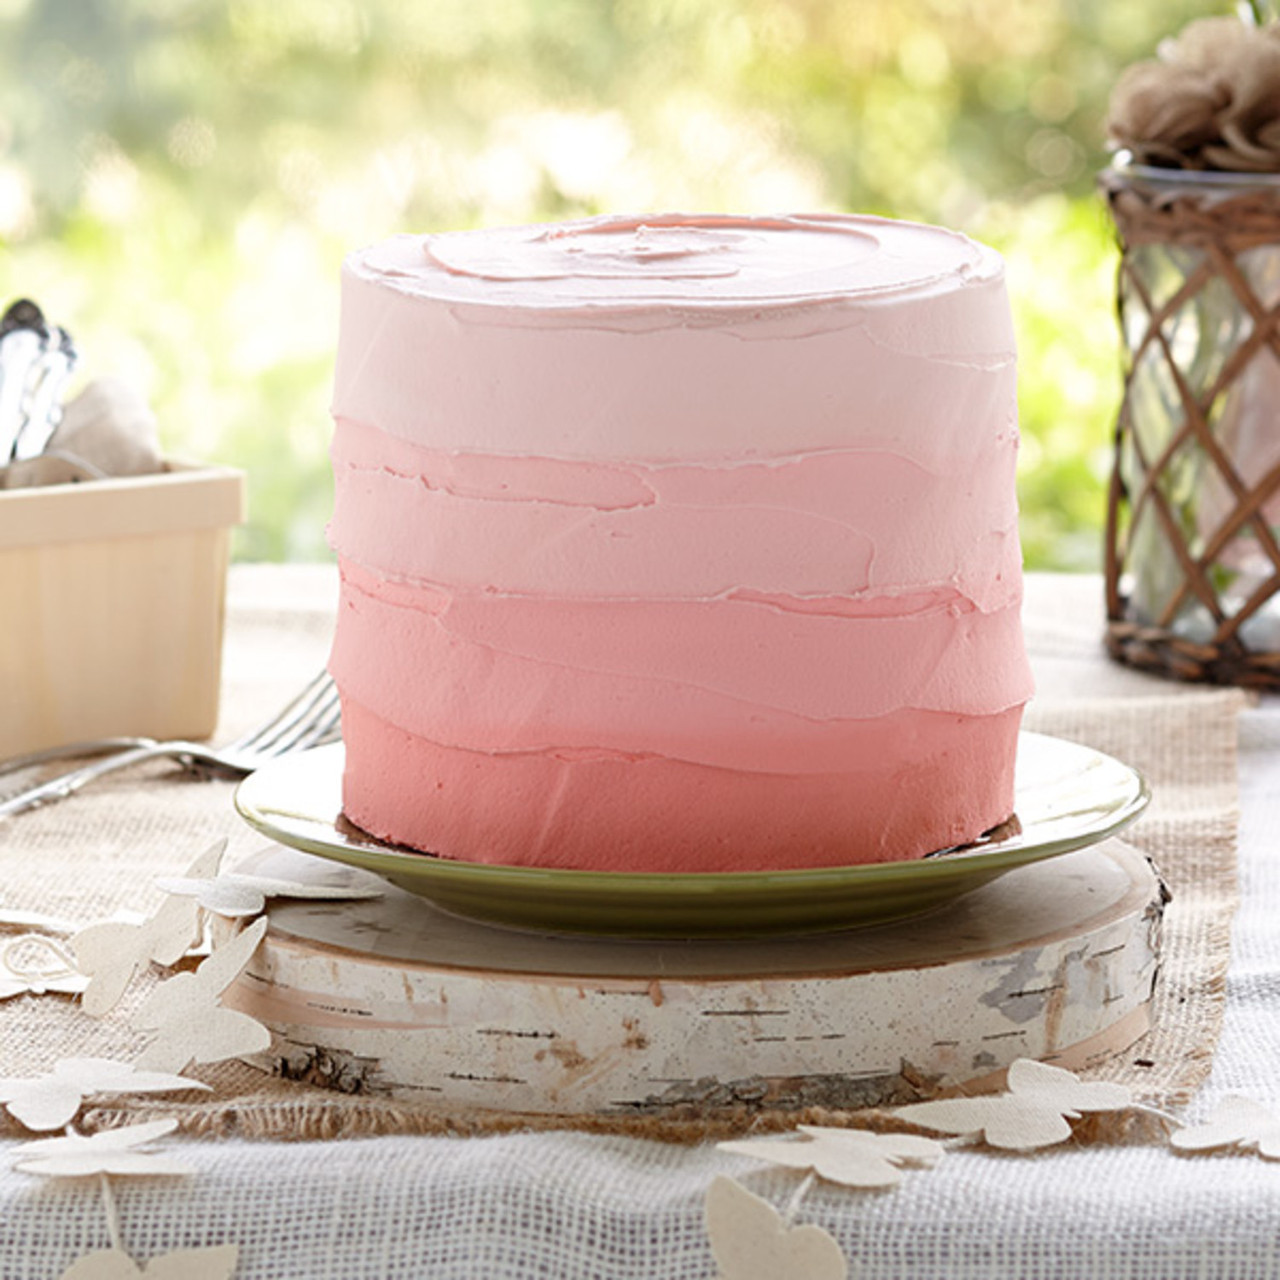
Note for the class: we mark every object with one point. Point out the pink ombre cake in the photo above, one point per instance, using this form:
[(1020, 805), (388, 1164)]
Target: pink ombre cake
[(678, 543)]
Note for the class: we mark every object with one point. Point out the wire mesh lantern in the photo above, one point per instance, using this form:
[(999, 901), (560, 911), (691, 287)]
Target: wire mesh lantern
[(1193, 522)]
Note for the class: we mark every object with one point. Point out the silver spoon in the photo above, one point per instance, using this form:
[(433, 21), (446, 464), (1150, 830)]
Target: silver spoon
[(36, 360)]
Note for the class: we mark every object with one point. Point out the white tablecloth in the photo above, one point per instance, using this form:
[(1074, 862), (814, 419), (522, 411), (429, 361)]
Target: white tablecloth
[(576, 1207)]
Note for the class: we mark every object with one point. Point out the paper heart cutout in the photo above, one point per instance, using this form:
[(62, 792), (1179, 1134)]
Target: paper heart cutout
[(217, 1262), (750, 1241)]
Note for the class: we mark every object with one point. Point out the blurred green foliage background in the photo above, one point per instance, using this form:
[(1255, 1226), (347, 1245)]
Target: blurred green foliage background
[(179, 180)]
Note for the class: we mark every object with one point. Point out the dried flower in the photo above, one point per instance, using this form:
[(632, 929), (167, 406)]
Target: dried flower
[(1211, 100)]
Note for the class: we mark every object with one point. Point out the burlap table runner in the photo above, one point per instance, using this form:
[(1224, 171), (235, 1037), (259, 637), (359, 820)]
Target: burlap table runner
[(97, 853)]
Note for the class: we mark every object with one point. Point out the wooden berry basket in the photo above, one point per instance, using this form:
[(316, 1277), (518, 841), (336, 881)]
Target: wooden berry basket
[(113, 594)]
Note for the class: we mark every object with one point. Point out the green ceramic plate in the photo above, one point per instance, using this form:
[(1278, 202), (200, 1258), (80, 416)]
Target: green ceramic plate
[(1067, 797)]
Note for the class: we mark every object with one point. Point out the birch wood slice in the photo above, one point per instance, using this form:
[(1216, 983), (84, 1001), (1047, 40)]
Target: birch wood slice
[(392, 997)]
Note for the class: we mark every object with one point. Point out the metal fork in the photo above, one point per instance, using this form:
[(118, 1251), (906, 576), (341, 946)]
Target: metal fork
[(311, 719)]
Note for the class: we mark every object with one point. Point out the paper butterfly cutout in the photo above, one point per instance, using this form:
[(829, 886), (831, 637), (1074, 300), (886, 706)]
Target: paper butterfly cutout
[(112, 1151), (750, 1241), (51, 1101), (851, 1157), (191, 1025), (33, 964), (111, 952), (115, 1152), (233, 895), (1234, 1122), (217, 1262), (36, 920), (1032, 1114)]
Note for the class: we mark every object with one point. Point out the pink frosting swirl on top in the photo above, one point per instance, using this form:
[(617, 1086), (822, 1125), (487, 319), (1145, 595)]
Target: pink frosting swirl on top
[(614, 250), (706, 259)]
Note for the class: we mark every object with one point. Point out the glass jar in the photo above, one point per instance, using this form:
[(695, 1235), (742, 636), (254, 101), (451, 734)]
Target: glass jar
[(1193, 529)]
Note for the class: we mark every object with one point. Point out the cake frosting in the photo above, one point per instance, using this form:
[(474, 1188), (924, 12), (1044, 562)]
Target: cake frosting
[(678, 543)]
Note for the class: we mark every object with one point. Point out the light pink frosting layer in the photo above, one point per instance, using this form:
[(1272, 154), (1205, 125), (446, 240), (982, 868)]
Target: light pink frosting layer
[(795, 350), (718, 506), (847, 523)]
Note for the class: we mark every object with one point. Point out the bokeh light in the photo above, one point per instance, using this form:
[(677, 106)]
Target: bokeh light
[(179, 180)]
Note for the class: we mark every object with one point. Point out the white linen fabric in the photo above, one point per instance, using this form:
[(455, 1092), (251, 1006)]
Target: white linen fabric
[(566, 1206)]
